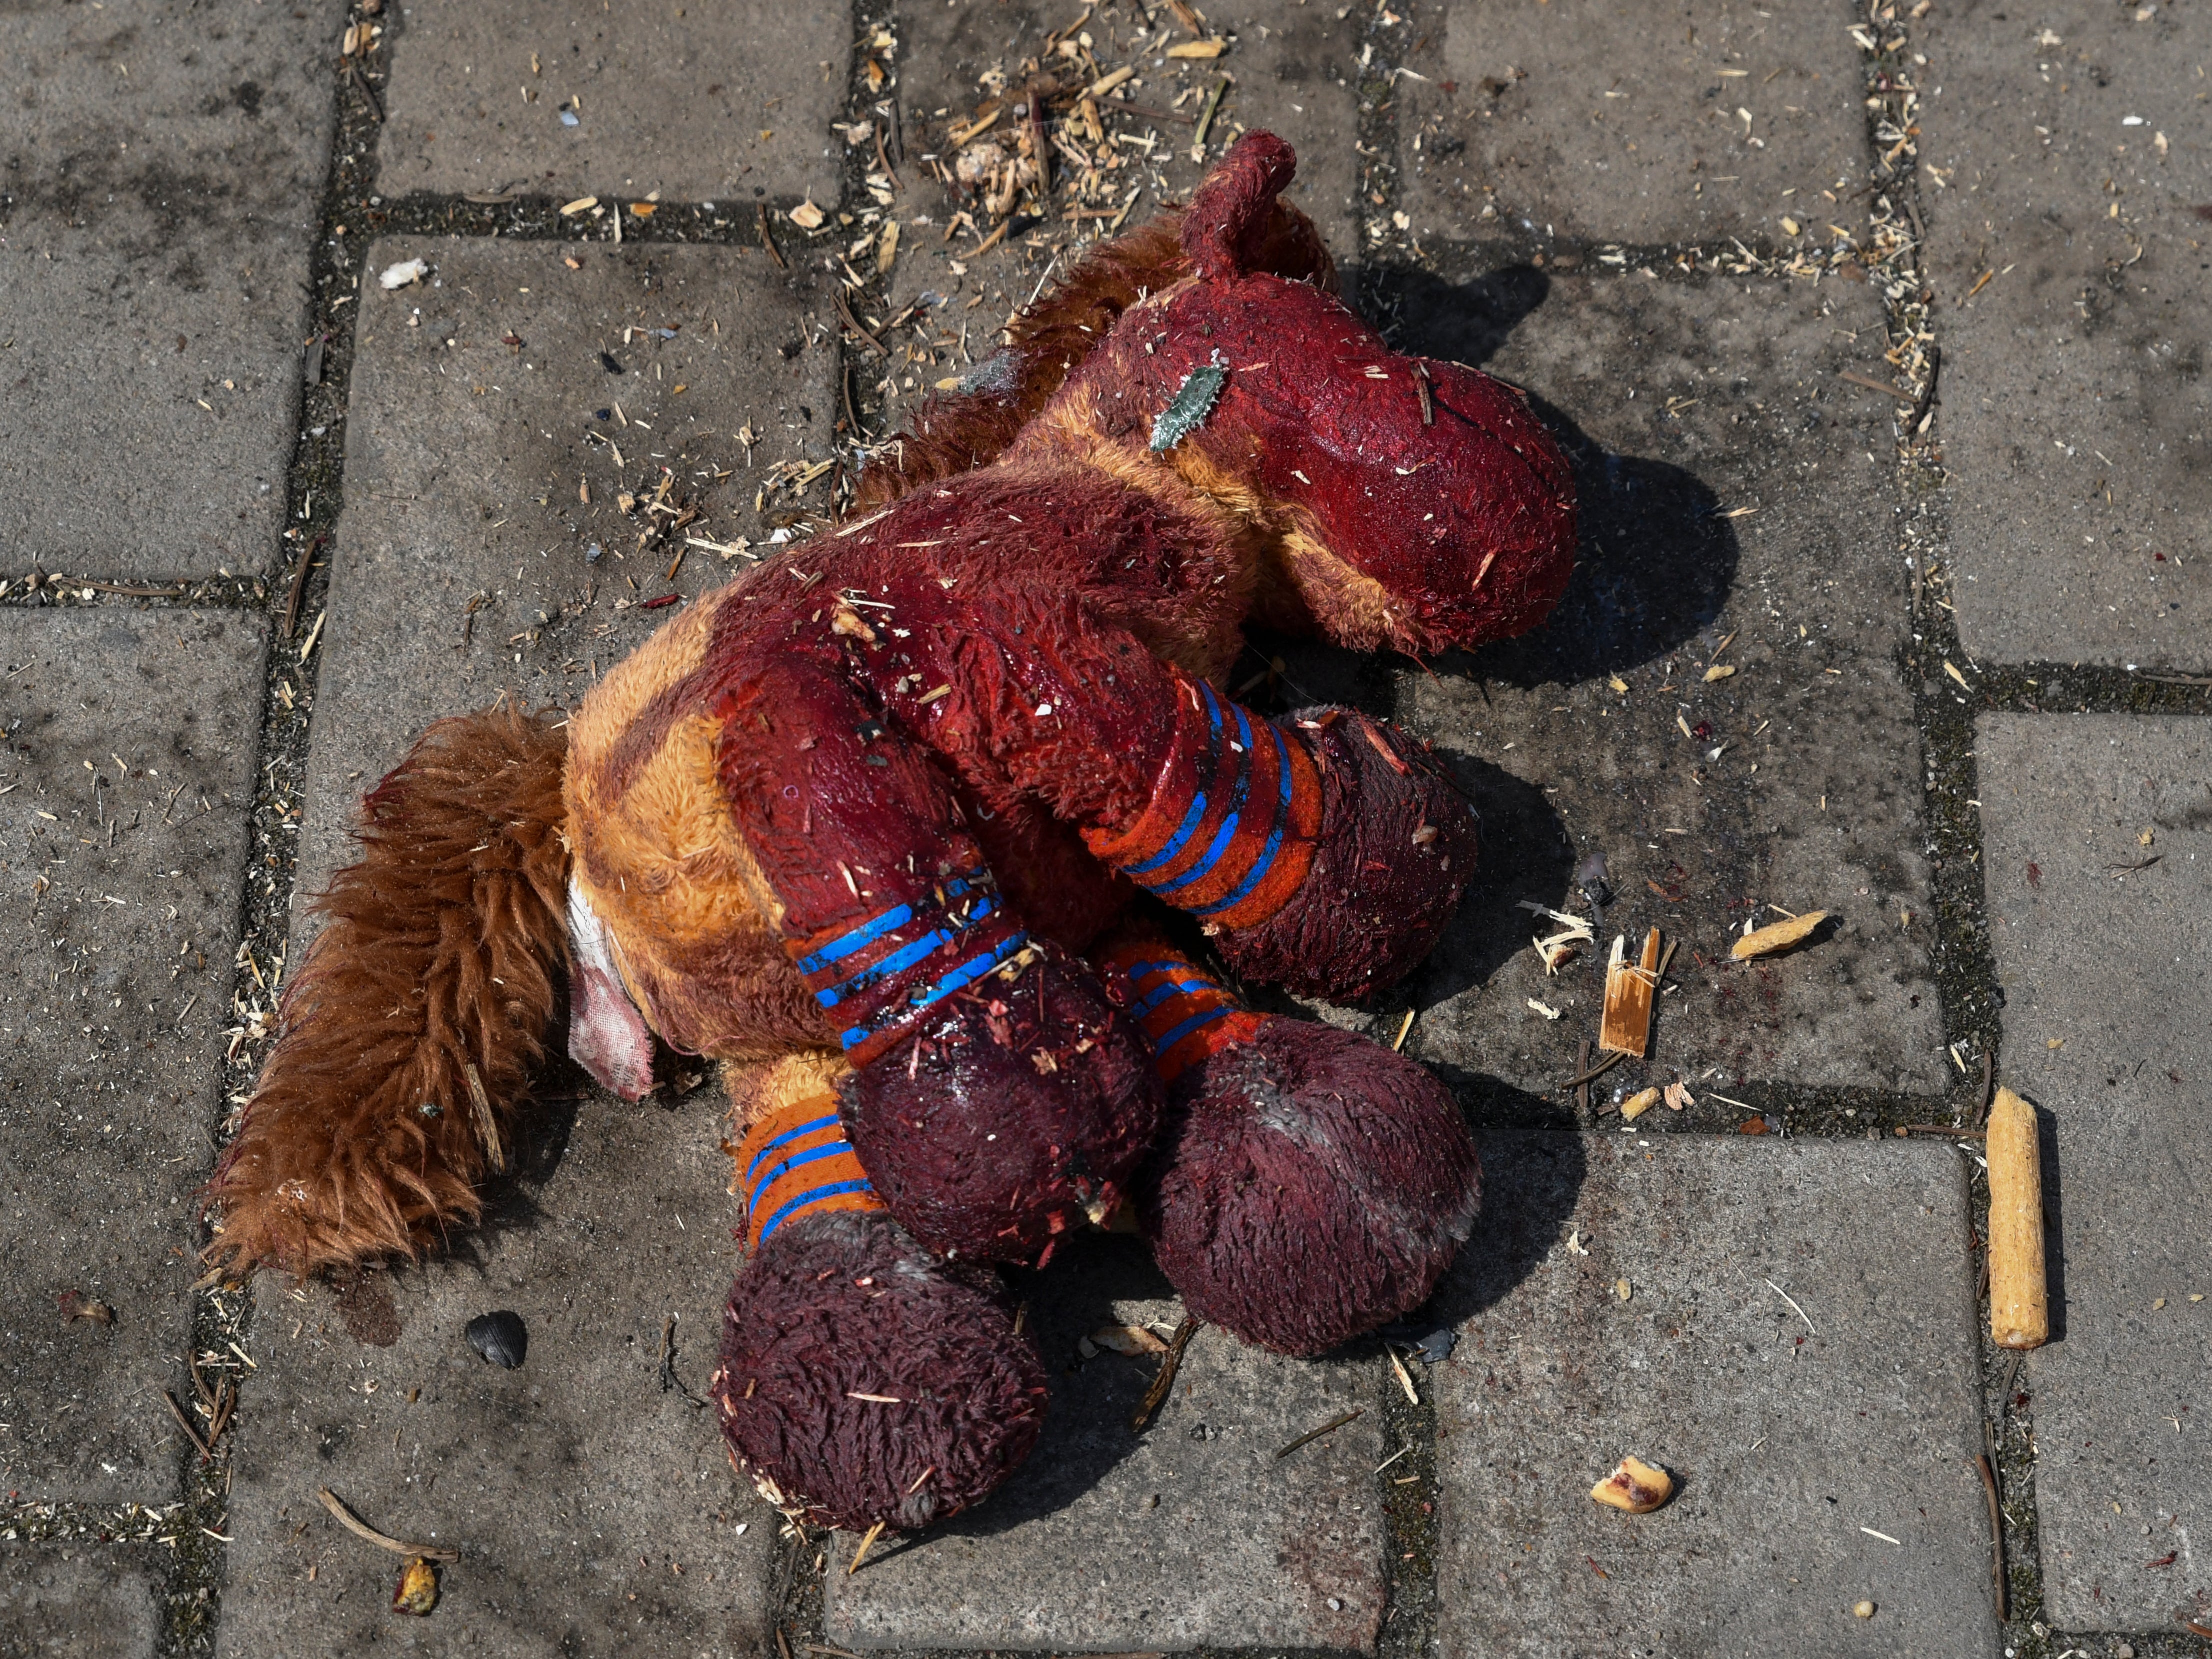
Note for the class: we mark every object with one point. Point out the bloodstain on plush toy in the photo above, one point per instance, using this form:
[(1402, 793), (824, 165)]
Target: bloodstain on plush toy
[(850, 825)]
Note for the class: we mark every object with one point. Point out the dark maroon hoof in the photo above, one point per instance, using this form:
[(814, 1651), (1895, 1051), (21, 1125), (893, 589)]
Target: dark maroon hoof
[(1396, 850), (1023, 1114), (1309, 1186), (862, 1381)]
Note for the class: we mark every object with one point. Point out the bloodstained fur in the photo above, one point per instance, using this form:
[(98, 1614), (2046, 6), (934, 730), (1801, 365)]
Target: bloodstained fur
[(840, 1305), (971, 678), (952, 434), (1309, 1185), (1395, 852)]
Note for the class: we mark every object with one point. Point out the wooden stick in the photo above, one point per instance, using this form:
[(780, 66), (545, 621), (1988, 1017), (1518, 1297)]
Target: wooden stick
[(2020, 1314), (1329, 1427), (1997, 1534), (207, 1453), (1872, 384)]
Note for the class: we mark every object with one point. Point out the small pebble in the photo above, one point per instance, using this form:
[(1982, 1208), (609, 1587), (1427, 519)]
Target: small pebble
[(1862, 1610), (501, 1337)]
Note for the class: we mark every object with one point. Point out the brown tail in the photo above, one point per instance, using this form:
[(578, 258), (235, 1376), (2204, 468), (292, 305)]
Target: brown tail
[(406, 1044), (950, 433)]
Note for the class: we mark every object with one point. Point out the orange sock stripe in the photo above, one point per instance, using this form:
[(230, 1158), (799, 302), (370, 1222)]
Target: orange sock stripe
[(796, 1161), (1299, 827), (1229, 832), (1184, 1015)]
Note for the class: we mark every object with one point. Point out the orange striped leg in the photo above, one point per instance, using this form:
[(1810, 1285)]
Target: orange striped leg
[(1229, 832), (1185, 1016), (796, 1162)]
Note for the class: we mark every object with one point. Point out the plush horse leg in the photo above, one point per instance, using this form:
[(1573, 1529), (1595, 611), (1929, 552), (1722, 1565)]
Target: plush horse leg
[(996, 1099), (1308, 1185), (860, 1379), (1324, 852)]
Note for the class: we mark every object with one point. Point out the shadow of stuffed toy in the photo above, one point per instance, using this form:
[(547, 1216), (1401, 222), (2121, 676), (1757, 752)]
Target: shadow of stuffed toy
[(888, 827)]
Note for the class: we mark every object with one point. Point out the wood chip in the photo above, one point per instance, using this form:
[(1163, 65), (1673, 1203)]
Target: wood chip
[(960, 136), (1404, 1379), (1626, 1028), (1156, 1394), (1778, 937), (807, 217), (1212, 48), (2020, 1313), (1634, 1486)]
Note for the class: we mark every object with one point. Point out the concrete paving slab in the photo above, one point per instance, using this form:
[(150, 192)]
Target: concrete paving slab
[(467, 458), (127, 748), (2105, 1021), (700, 103), (1192, 1535), (587, 1491), (1598, 120), (1294, 72), (2065, 178), (1795, 1435), (164, 168), (1734, 515), (77, 1602)]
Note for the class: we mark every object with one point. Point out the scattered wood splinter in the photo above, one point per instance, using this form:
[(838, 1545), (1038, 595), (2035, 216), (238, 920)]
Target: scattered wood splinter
[(1777, 936), (1626, 1028)]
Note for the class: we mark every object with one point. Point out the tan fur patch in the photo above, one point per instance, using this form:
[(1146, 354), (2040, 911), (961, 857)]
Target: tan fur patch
[(759, 1090), (1345, 606)]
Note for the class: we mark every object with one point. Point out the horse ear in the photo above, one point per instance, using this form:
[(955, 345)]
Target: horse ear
[(1226, 230)]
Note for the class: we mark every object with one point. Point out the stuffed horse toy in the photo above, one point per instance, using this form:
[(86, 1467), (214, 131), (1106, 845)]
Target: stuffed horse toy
[(889, 828)]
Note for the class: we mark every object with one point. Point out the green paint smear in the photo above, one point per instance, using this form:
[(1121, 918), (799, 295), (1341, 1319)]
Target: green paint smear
[(1194, 401)]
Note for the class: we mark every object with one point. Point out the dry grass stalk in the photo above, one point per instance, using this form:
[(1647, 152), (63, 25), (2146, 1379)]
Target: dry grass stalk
[(361, 1528)]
